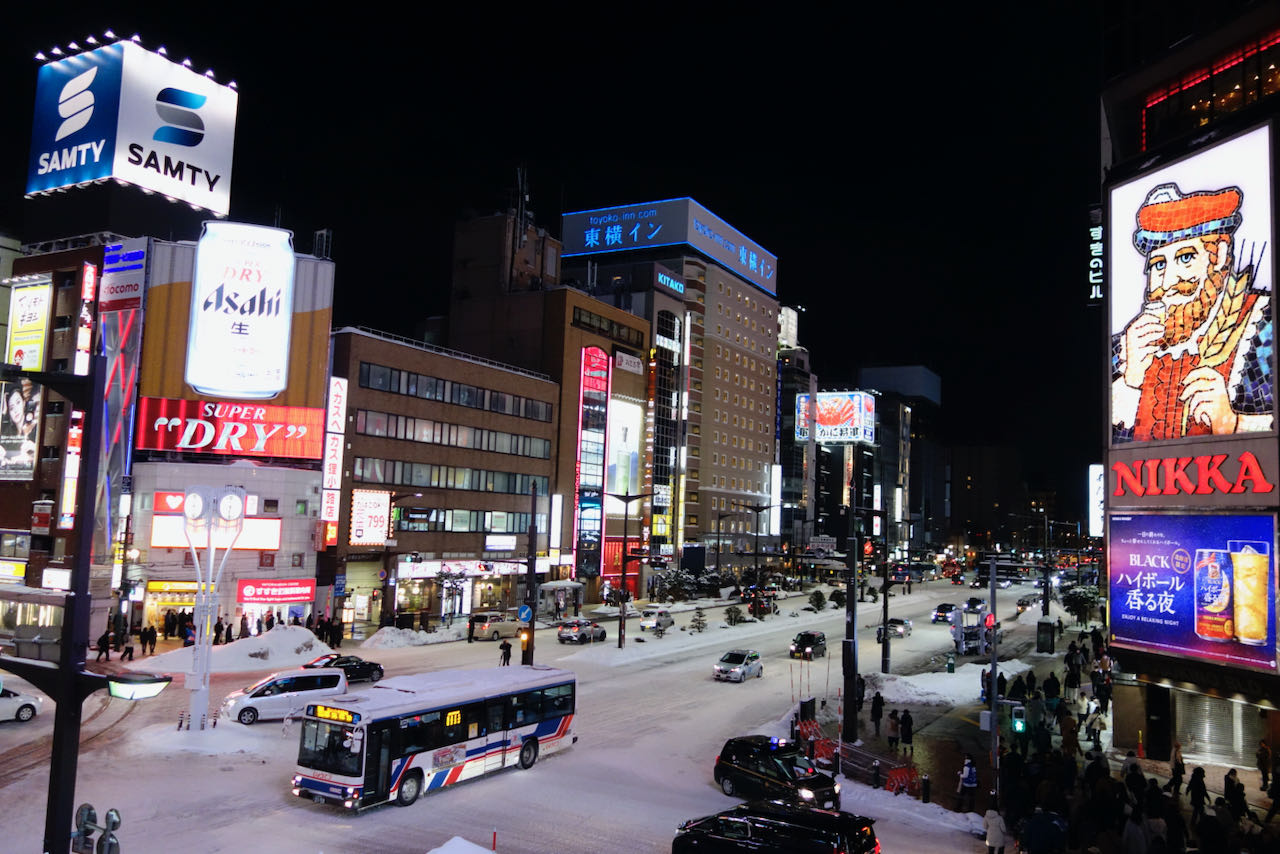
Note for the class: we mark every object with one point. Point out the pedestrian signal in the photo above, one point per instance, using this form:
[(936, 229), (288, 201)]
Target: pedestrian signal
[(1019, 719), (989, 621)]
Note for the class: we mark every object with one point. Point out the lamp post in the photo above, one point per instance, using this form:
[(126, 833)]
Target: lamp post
[(757, 509), (720, 539), (388, 611), (211, 518), (622, 593)]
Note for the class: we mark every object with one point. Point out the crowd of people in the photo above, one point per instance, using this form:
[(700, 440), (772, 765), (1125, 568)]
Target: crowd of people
[(181, 624)]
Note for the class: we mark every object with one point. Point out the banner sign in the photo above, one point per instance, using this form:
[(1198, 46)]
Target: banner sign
[(1196, 586), (236, 429), (842, 416), (28, 325), (20, 429), (275, 591)]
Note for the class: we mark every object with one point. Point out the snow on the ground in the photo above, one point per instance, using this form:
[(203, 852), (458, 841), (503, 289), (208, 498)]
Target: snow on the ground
[(953, 689), (279, 649), (458, 845)]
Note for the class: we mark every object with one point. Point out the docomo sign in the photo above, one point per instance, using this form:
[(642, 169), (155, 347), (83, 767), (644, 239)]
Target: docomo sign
[(237, 429), (275, 591)]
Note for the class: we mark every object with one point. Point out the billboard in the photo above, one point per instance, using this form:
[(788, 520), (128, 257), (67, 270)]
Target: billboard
[(20, 429), (589, 480), (1190, 275), (842, 417), (124, 112), (235, 346), (370, 517), (29, 306), (275, 591), (623, 474), (672, 222), (1201, 586)]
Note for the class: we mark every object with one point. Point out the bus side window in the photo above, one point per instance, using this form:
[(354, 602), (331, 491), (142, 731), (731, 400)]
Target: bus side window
[(558, 700), (494, 710)]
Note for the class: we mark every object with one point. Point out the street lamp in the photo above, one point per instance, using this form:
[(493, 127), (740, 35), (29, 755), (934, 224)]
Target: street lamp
[(622, 594), (757, 509), (720, 539), (388, 614), (212, 518)]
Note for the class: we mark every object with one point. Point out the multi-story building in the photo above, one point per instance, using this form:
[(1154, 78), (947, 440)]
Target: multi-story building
[(1188, 152), (797, 457), (447, 459), (709, 296)]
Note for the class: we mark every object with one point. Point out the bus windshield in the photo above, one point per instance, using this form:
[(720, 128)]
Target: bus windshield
[(327, 747)]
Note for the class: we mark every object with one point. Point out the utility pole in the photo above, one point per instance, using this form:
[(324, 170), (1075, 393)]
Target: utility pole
[(884, 621), (531, 577), (991, 689), (849, 659)]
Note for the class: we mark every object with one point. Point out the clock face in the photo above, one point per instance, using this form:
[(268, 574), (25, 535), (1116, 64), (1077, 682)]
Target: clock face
[(193, 505), (231, 506)]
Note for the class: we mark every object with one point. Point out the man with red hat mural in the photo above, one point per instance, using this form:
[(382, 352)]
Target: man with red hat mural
[(1196, 360)]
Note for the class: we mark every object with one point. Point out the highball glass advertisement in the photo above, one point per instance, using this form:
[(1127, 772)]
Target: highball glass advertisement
[(1200, 586)]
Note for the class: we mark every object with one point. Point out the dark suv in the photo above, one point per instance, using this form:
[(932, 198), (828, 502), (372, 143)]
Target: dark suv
[(809, 645), (767, 827), (757, 766)]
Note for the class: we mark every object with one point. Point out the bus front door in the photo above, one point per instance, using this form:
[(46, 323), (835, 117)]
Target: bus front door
[(377, 765), (498, 750)]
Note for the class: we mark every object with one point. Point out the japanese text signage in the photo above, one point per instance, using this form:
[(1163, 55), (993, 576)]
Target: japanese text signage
[(843, 417), (124, 112), (1200, 586), (28, 325), (275, 591), (370, 517), (669, 223), (335, 424)]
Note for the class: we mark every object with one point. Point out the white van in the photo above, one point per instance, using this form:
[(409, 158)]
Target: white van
[(283, 694)]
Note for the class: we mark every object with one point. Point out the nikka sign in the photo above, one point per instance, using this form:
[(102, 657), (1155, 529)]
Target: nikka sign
[(1244, 473)]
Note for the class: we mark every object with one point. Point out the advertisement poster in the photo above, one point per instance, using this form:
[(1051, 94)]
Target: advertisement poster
[(1197, 586), (843, 416), (28, 325), (20, 429), (1190, 296)]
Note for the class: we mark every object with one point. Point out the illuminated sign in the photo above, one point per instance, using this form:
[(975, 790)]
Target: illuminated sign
[(499, 542), (1096, 489), (274, 591), (335, 425), (172, 587), (19, 428), (629, 363), (124, 272), (56, 579), (28, 325), (335, 418), (672, 222), (1096, 252), (124, 112), (71, 471), (329, 713), (84, 321), (12, 571), (1198, 586), (453, 718), (842, 417), (257, 534), (623, 472), (168, 502), (1200, 475), (668, 279), (1190, 284), (370, 517), (593, 399), (253, 361)]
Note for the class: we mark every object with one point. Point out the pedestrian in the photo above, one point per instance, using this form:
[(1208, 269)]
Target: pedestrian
[(993, 823), (104, 646), (188, 635), (1094, 724), (151, 639), (271, 621), (1233, 791), (244, 626), (1002, 684), (860, 690), (967, 785), (1031, 682), (908, 725), (127, 653), (471, 629), (505, 646), (258, 624), (1198, 794), (1070, 736), (1018, 688), (877, 710), (311, 621), (1274, 793), (335, 629), (1264, 763), (893, 730), (986, 684), (217, 631), (1061, 628), (322, 628), (1177, 768)]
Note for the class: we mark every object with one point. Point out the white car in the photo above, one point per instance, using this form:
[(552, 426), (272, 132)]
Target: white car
[(19, 707), (654, 617), (284, 694)]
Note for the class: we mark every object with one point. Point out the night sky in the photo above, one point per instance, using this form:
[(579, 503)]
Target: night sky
[(922, 176)]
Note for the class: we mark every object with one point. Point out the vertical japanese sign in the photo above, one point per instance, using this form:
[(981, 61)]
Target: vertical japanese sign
[(71, 471), (29, 325), (335, 425), (84, 323), (1200, 586), (593, 415)]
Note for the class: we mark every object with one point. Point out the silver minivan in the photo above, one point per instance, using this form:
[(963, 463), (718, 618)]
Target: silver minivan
[(284, 694)]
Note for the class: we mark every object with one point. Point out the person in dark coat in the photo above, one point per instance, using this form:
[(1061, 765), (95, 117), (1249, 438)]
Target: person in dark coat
[(1031, 683), (217, 631), (335, 630), (1018, 690), (104, 646), (1198, 794), (860, 689), (877, 711), (151, 638), (505, 646), (244, 626), (1264, 763), (1233, 791), (471, 628), (907, 725)]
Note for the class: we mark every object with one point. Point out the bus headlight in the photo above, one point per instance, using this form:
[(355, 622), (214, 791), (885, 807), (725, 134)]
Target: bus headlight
[(806, 794)]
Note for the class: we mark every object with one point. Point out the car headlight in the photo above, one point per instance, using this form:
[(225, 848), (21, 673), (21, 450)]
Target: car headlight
[(837, 788), (805, 794)]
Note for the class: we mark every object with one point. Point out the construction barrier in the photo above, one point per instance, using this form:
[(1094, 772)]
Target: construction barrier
[(902, 780)]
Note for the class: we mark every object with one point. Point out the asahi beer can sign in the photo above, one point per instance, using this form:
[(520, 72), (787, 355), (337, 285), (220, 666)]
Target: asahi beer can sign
[(241, 311)]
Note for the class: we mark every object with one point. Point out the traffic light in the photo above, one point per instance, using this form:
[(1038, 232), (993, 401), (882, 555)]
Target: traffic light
[(524, 640), (989, 621), (1019, 719)]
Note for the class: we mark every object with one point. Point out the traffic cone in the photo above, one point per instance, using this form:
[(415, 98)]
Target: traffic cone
[(1142, 754)]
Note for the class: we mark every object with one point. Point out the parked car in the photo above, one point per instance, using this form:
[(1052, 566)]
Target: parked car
[(946, 612), (767, 826), (16, 706), (283, 694), (580, 630), (495, 625), (357, 669), (651, 618), (737, 665), (809, 645), (898, 628), (760, 766)]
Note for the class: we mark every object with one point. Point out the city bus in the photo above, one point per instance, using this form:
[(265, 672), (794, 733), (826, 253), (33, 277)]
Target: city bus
[(1006, 574), (412, 734)]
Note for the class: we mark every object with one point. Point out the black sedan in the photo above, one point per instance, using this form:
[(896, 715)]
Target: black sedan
[(357, 669)]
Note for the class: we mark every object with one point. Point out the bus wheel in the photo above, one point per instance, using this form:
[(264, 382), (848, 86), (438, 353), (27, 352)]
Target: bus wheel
[(529, 753), (410, 788)]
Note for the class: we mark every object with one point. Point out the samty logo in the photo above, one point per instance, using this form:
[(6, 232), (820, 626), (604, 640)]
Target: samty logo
[(182, 125), (75, 104)]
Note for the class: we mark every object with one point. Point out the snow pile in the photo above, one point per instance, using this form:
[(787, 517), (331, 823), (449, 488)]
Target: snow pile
[(279, 649), (952, 689), (458, 845), (393, 638)]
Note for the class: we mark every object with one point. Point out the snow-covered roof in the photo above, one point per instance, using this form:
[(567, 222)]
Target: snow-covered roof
[(420, 691)]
